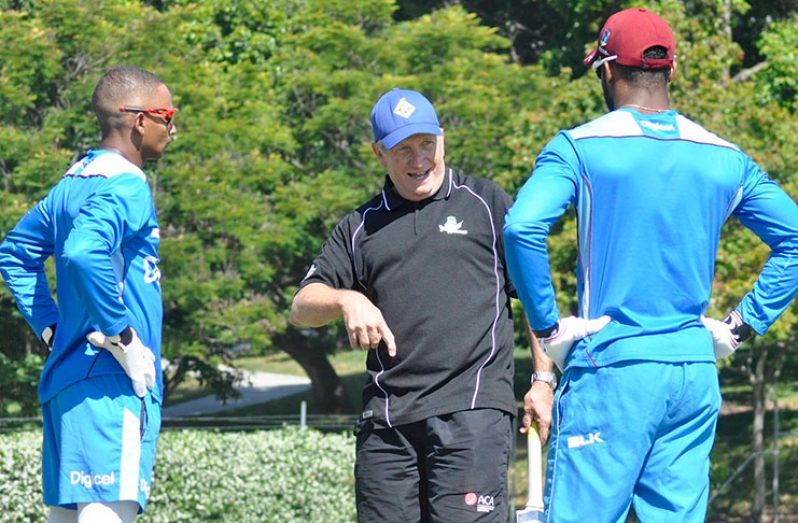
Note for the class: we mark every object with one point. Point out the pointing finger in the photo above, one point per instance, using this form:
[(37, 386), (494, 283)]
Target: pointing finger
[(387, 337)]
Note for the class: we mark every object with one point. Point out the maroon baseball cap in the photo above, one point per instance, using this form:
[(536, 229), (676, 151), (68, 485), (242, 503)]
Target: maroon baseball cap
[(627, 34)]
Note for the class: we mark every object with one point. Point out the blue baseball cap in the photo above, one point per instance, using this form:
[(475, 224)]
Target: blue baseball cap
[(401, 113)]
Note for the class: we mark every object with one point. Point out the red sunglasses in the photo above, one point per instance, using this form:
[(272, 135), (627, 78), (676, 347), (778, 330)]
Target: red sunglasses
[(167, 114)]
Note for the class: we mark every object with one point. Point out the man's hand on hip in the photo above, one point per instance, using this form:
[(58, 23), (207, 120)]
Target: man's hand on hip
[(136, 358), (364, 323), (569, 330), (728, 334)]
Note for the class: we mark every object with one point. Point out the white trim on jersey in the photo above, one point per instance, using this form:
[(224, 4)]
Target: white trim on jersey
[(107, 165), (691, 131), (130, 461), (615, 124)]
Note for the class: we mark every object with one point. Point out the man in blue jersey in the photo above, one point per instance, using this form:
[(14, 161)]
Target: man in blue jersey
[(101, 387), (634, 416)]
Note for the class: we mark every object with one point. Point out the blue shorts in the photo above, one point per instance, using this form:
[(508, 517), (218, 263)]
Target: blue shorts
[(99, 443), (634, 433)]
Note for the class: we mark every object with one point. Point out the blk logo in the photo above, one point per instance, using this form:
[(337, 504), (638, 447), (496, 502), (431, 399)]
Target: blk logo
[(584, 439)]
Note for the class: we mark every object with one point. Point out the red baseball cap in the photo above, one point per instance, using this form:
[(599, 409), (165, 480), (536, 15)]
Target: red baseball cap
[(627, 34)]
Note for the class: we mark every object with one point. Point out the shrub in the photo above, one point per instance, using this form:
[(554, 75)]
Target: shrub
[(288, 475), (21, 477)]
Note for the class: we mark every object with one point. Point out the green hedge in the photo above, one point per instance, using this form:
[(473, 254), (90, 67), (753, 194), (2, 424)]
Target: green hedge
[(287, 475)]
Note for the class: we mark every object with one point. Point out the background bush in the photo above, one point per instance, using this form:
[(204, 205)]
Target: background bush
[(284, 476)]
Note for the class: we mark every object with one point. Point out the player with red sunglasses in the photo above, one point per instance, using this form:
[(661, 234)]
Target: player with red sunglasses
[(101, 387)]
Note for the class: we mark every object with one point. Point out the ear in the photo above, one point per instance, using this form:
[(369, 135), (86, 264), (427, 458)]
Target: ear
[(139, 123), (672, 73), (607, 71), (378, 153)]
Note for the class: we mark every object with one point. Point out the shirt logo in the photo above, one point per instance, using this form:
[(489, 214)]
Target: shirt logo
[(151, 271), (452, 226), (310, 272), (655, 126), (584, 440), (404, 108)]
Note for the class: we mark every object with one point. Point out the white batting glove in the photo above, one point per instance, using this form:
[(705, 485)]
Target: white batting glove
[(728, 334), (136, 358), (569, 330)]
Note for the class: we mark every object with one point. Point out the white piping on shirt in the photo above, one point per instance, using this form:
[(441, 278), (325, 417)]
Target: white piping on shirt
[(497, 293)]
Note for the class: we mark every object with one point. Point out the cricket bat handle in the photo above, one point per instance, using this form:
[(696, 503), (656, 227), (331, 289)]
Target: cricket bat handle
[(535, 469)]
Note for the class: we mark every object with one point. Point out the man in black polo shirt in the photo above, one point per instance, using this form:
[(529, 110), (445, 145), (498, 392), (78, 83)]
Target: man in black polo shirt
[(418, 275)]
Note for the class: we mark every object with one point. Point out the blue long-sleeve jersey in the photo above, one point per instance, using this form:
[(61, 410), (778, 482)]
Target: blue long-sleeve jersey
[(99, 224), (651, 194)]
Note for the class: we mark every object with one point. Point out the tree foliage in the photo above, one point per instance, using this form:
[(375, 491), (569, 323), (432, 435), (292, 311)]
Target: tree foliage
[(273, 131)]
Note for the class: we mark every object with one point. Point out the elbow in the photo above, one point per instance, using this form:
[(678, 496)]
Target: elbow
[(525, 234), (80, 256), (76, 261), (313, 306), (512, 234), (297, 317)]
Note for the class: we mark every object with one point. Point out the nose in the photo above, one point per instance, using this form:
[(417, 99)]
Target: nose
[(418, 158)]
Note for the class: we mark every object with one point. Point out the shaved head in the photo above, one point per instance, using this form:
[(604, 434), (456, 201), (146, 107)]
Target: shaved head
[(124, 85)]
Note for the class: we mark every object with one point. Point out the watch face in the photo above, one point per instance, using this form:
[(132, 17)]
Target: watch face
[(545, 377)]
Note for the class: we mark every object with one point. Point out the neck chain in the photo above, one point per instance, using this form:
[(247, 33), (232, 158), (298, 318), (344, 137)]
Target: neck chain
[(112, 149), (644, 108)]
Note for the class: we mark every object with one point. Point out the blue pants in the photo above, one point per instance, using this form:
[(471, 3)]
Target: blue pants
[(99, 443), (635, 433)]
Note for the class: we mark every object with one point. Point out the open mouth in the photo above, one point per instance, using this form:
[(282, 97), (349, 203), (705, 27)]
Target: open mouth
[(420, 177)]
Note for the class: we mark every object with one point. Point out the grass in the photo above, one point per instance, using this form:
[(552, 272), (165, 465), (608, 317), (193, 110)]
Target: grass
[(732, 446)]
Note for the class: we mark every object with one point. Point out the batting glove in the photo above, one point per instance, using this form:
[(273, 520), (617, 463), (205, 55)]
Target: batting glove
[(137, 359), (728, 334), (557, 345)]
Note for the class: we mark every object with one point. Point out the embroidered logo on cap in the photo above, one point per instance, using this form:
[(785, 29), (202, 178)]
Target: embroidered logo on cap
[(605, 37), (404, 108)]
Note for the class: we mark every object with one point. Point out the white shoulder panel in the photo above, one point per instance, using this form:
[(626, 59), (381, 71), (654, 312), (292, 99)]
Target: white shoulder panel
[(691, 131), (107, 166), (615, 124)]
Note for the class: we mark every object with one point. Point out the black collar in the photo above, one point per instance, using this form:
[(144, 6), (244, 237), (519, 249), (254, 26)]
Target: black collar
[(394, 201)]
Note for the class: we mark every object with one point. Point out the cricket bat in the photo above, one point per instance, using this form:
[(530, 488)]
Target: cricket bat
[(533, 512)]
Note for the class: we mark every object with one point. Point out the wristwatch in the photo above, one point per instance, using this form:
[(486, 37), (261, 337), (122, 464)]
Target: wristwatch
[(545, 377)]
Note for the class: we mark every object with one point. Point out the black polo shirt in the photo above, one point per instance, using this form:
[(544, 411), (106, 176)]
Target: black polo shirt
[(436, 271)]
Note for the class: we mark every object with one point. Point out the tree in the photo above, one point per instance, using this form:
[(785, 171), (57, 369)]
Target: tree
[(273, 141), (272, 149), (53, 54)]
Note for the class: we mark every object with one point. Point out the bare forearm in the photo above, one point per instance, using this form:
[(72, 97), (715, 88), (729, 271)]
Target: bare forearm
[(541, 362), (316, 305)]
